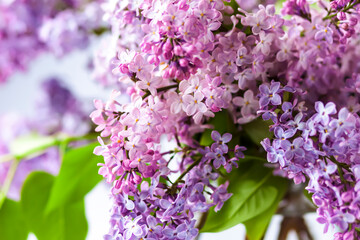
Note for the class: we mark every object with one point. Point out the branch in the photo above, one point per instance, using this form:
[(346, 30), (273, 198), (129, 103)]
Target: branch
[(344, 10), (185, 172), (147, 93), (9, 177)]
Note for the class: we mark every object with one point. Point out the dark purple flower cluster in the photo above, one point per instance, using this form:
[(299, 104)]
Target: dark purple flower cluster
[(296, 7), (321, 148)]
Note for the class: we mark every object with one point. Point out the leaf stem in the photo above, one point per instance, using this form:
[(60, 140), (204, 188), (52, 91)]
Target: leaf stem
[(57, 142), (185, 172), (340, 170), (342, 165), (6, 158), (344, 10), (162, 89), (9, 177)]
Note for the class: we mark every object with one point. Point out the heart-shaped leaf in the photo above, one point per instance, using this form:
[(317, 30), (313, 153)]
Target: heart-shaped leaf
[(253, 194), (256, 227), (65, 223), (78, 175), (12, 223)]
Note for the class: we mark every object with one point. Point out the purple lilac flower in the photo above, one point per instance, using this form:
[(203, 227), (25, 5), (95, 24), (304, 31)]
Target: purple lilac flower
[(269, 94)]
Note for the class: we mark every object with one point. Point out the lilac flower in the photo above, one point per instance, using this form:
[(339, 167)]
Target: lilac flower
[(258, 64), (220, 195), (345, 122), (248, 103), (257, 21), (274, 155), (244, 77), (197, 193), (141, 68), (227, 62), (282, 135), (324, 33), (243, 57), (149, 84), (267, 115), (187, 230), (132, 228), (220, 141), (217, 156), (238, 151), (269, 94), (194, 103), (293, 149), (296, 123), (324, 132), (296, 7), (342, 219), (285, 53), (154, 229), (323, 112), (264, 43), (287, 107)]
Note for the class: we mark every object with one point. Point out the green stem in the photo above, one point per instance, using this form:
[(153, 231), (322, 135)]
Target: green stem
[(9, 177), (90, 136), (6, 158), (62, 142), (344, 10), (342, 165), (341, 174), (340, 170), (57, 142), (185, 172), (160, 90)]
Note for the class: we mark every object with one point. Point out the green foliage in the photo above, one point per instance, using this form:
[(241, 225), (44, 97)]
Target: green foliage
[(78, 175), (12, 223), (254, 191), (51, 207), (257, 130), (67, 222), (308, 195), (30, 144), (256, 227), (223, 123)]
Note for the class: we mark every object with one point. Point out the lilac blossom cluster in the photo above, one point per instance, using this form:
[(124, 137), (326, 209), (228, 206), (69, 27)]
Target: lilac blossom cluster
[(61, 113), (28, 28), (148, 204), (185, 61), (319, 146)]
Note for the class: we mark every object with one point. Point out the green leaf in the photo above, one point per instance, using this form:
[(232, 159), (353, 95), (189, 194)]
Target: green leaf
[(223, 123), (256, 227), (308, 195), (30, 144), (12, 224), (78, 175), (257, 130), (66, 223), (254, 158), (253, 193)]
